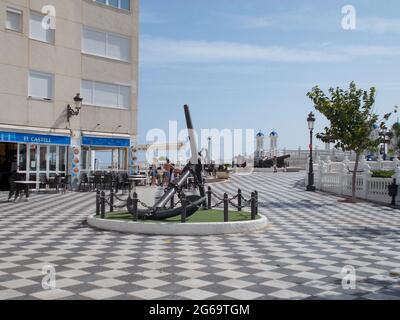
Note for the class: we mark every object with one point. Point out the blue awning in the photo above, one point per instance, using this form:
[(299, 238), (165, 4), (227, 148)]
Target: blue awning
[(19, 137), (105, 142)]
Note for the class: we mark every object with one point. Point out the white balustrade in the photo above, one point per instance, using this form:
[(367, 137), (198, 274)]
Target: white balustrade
[(336, 177)]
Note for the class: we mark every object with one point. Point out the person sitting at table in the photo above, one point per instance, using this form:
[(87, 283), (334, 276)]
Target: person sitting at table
[(15, 188)]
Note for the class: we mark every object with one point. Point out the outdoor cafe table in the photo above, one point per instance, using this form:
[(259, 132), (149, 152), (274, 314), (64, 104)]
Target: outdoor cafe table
[(26, 185), (137, 178)]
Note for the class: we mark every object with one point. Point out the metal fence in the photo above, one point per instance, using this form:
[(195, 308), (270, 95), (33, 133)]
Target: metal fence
[(111, 201)]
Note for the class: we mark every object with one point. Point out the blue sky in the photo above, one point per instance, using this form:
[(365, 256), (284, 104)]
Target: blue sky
[(249, 63)]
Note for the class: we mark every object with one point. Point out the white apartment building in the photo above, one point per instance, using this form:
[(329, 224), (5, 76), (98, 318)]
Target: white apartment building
[(50, 50)]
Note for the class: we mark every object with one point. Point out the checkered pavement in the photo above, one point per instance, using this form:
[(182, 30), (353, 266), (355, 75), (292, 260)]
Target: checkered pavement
[(310, 238)]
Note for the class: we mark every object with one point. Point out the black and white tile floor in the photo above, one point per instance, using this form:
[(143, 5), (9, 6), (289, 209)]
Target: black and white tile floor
[(311, 237)]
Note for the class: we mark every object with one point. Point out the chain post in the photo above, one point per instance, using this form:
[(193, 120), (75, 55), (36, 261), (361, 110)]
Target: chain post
[(209, 195), (103, 204), (97, 202), (135, 206), (112, 199), (253, 207), (184, 208), (256, 202), (239, 200), (226, 207)]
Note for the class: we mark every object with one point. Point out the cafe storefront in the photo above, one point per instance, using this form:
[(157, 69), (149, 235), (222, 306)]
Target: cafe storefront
[(34, 154), (105, 153)]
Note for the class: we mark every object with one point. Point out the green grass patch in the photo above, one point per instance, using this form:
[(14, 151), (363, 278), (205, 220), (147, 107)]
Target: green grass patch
[(383, 173), (199, 216)]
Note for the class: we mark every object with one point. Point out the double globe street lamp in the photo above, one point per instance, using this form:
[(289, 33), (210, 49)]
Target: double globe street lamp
[(311, 123)]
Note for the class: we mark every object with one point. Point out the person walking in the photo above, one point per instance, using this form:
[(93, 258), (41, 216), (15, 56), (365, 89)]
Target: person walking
[(15, 189), (153, 175), (167, 172), (172, 172), (275, 160)]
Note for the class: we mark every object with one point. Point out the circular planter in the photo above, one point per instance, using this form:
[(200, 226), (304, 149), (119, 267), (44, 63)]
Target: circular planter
[(179, 229), (222, 175)]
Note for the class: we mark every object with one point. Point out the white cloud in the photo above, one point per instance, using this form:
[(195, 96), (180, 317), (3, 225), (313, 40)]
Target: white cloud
[(361, 51), (148, 17), (169, 51), (311, 20), (305, 19), (378, 25), (257, 22), (166, 50)]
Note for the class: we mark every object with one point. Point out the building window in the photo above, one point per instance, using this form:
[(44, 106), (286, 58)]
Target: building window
[(120, 4), (22, 157), (14, 20), (37, 31), (105, 94), (40, 85), (62, 158), (106, 44)]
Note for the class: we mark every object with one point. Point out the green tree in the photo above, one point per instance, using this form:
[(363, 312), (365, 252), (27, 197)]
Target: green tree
[(352, 119), (396, 135)]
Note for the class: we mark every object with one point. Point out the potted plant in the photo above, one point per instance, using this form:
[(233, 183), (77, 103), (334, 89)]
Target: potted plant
[(223, 171)]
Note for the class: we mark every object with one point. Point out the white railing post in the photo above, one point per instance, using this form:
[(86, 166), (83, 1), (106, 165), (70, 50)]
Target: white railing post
[(380, 162), (396, 163), (318, 180), (366, 176), (328, 164), (346, 161), (341, 174), (397, 176)]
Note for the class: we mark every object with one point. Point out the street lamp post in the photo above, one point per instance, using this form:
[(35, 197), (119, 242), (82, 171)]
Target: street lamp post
[(78, 105), (311, 122), (209, 150), (384, 134)]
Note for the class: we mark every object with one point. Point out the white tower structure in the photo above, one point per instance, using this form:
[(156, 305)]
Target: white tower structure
[(274, 142), (260, 138)]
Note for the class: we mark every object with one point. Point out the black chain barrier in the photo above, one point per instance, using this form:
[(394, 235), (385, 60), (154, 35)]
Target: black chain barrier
[(222, 201)]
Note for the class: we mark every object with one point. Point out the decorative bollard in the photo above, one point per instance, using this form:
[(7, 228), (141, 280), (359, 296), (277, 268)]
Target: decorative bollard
[(226, 208), (239, 200), (135, 201), (103, 205), (253, 206), (256, 202), (97, 202), (112, 200), (393, 190), (184, 208), (209, 195)]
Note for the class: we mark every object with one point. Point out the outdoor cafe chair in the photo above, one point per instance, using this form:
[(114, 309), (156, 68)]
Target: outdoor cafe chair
[(108, 181), (96, 182), (56, 183), (84, 182), (123, 182), (66, 183), (43, 182)]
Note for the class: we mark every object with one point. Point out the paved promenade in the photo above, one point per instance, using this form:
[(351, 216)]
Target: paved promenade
[(311, 237)]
